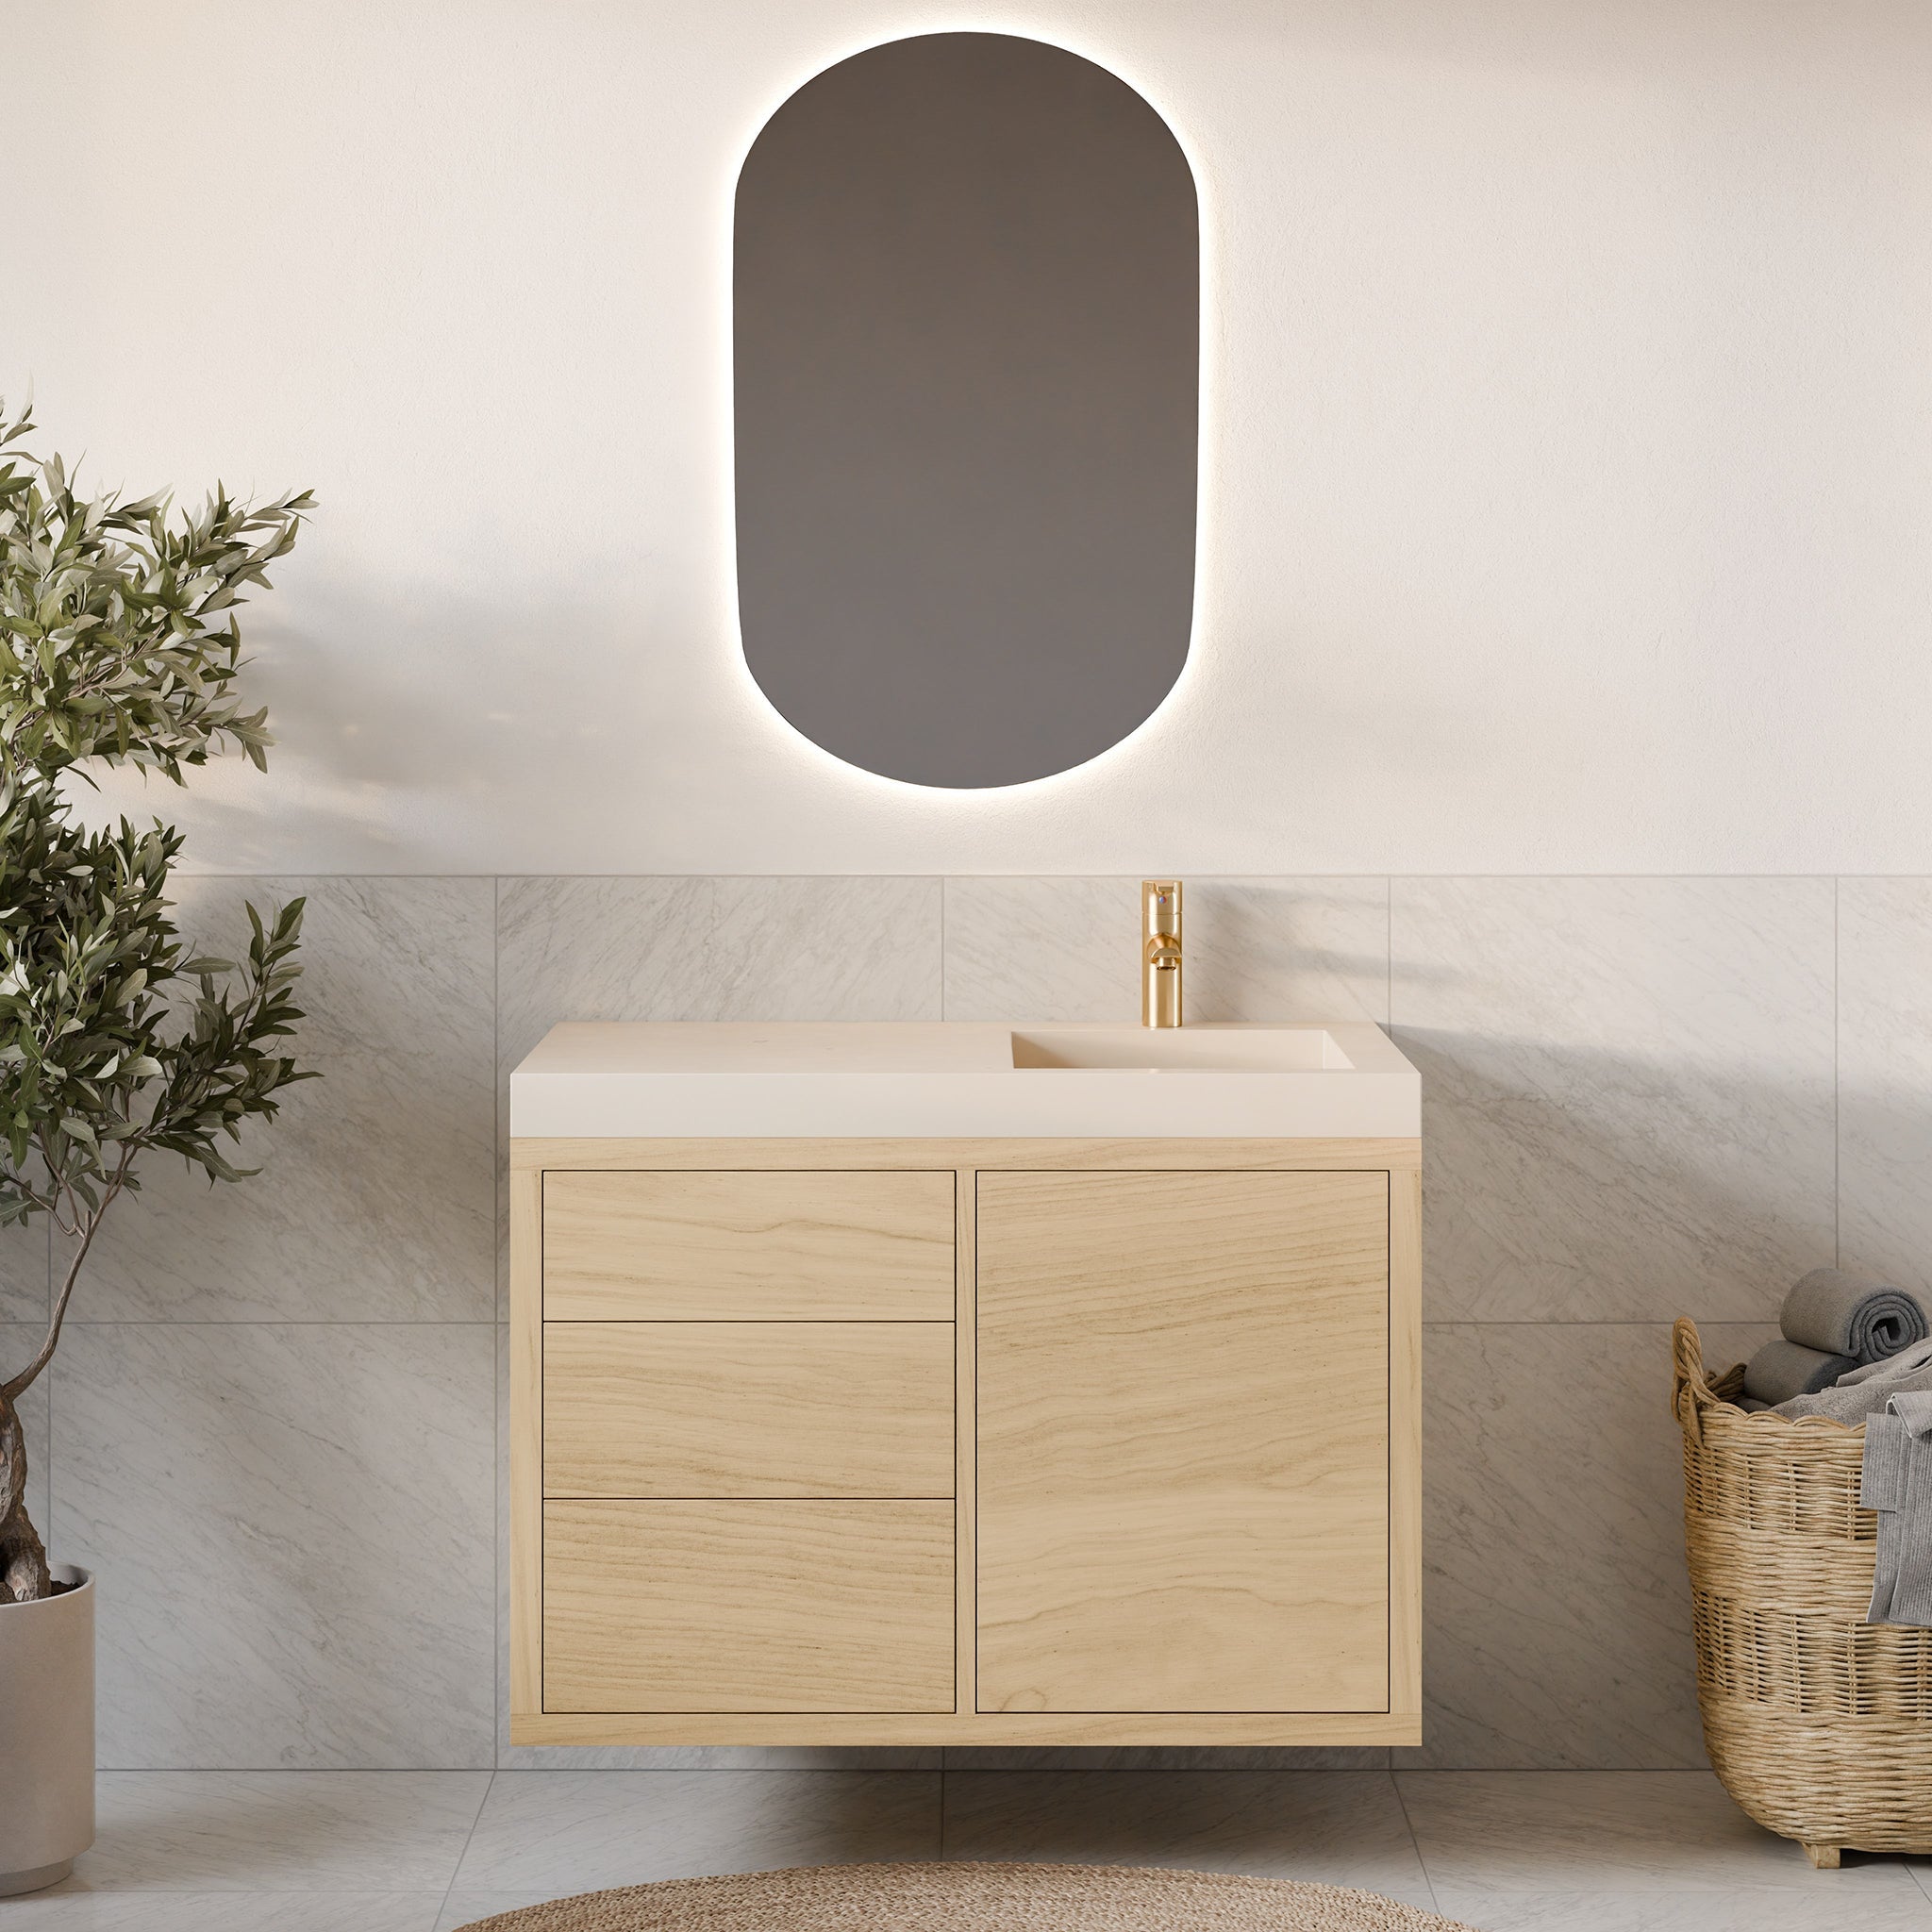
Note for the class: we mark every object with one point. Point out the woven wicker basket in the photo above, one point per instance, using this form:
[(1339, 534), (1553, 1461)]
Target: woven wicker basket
[(1819, 1724)]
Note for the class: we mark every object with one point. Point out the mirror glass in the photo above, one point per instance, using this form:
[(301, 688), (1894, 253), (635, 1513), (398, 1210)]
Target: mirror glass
[(967, 359)]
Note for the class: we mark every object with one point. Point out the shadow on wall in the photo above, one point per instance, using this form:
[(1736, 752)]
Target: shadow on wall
[(1576, 1200), (405, 742), (1885, 1128), (1564, 1183), (1246, 940), (1557, 1622)]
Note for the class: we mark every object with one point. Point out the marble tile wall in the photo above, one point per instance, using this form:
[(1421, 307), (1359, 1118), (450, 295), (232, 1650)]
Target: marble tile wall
[(273, 1432), (274, 1423)]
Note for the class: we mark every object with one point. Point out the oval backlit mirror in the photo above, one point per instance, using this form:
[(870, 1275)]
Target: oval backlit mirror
[(966, 357)]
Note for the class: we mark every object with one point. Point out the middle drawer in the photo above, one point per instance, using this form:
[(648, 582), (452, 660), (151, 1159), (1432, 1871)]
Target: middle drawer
[(748, 1408)]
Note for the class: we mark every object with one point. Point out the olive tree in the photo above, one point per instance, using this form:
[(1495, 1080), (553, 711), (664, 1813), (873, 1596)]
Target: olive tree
[(119, 645)]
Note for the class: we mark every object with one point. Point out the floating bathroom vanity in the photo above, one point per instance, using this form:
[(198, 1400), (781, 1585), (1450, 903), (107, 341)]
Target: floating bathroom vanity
[(954, 1383)]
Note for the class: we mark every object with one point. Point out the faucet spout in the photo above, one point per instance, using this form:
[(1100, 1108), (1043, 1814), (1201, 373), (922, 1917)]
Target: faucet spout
[(1160, 953)]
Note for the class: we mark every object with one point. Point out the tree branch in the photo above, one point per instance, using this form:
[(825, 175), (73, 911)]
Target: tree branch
[(13, 1390)]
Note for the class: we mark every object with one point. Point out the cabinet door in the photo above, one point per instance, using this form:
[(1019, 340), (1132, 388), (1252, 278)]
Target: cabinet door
[(1183, 1471)]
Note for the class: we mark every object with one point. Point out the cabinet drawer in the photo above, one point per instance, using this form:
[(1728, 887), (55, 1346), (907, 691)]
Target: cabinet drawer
[(748, 1245), (747, 1606), (748, 1408)]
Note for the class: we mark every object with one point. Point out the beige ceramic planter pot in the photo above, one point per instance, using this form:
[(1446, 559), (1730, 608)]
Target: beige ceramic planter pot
[(46, 1735)]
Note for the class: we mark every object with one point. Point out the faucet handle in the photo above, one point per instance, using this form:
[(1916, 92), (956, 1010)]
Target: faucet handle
[(1161, 952)]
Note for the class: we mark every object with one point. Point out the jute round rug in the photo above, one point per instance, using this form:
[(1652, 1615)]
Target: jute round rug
[(973, 1898)]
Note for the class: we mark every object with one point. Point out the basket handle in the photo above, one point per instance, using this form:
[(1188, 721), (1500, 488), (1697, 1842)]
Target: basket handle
[(1691, 1393)]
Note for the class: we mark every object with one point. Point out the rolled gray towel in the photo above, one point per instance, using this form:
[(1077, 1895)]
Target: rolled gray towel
[(1865, 1392), (1781, 1370), (1838, 1313)]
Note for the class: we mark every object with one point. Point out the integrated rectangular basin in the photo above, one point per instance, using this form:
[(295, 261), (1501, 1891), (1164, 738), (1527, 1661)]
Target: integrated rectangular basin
[(964, 1080), (1200, 1049)]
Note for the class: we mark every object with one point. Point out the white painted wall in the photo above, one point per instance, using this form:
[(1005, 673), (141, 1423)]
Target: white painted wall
[(1569, 480)]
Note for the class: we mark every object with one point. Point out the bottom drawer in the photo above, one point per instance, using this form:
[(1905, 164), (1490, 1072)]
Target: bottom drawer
[(769, 1606)]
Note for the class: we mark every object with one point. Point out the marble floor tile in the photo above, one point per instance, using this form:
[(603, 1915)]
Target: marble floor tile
[(1885, 1077), (1627, 1092), (1332, 1828), (1632, 1850), (291, 1528), (1499, 1851), (305, 1831), (1592, 1908), (461, 1909), (568, 1831), (1258, 949), (718, 1757), (1556, 1609), (1168, 1758), (224, 1911), (376, 1196)]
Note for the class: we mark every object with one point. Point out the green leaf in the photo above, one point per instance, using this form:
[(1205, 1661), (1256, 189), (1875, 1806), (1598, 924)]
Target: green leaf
[(119, 644)]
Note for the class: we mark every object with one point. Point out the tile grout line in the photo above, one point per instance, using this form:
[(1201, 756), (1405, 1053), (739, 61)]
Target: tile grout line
[(1356, 873), (1624, 1322), (687, 1771), (1922, 1877), (1415, 1843), (282, 1321), (1661, 1321), (469, 1838)]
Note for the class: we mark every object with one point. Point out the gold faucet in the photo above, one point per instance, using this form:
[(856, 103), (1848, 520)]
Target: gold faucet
[(1161, 952)]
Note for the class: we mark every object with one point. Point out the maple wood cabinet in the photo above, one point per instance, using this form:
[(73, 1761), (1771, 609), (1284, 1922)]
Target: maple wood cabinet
[(924, 1441)]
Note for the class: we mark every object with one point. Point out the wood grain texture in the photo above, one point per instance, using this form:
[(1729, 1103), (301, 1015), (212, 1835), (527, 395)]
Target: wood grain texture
[(749, 1246), (1404, 1443), (861, 1153), (966, 1728), (952, 1717), (1183, 1401), (748, 1408), (525, 1443), (966, 1606), (748, 1606)]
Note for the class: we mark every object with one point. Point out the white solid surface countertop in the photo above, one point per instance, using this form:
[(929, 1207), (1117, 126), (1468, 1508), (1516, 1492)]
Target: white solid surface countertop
[(963, 1079)]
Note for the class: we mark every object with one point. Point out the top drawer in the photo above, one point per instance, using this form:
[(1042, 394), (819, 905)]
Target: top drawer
[(746, 1244)]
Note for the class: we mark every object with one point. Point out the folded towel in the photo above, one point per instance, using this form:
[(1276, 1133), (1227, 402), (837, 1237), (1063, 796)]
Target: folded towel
[(1850, 1314), (1781, 1370), (1865, 1392), (1897, 1483)]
